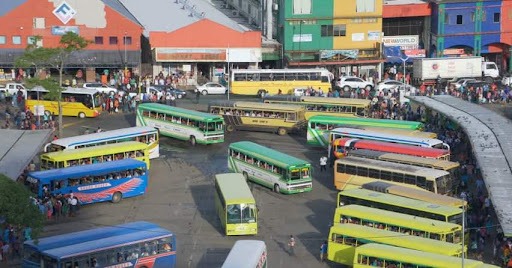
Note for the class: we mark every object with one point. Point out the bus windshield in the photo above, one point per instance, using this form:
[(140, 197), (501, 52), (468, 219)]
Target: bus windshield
[(241, 213)]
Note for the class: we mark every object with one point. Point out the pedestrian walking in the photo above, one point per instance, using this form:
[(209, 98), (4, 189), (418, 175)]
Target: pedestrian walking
[(323, 251), (323, 163), (198, 94), (291, 246)]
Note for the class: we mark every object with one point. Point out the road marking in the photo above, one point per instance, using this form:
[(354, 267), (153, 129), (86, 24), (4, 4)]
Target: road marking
[(70, 124)]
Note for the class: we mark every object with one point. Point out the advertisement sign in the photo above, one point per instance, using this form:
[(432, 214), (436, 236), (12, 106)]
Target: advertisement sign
[(302, 38), (415, 53), (61, 30), (348, 53), (64, 12), (190, 55), (405, 42), (453, 51), (374, 36), (357, 37)]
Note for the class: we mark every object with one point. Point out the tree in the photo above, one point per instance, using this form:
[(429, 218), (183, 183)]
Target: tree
[(17, 208), (41, 57)]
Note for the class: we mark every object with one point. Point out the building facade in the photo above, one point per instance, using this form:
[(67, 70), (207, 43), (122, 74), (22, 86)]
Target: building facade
[(115, 34), (480, 28), (344, 35)]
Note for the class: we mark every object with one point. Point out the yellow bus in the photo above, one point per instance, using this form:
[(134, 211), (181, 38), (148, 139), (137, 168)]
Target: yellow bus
[(274, 81), (235, 205), (402, 132), (384, 256), (400, 204), (353, 172), (345, 238), (81, 102), (398, 222), (276, 118), (96, 154), (315, 106)]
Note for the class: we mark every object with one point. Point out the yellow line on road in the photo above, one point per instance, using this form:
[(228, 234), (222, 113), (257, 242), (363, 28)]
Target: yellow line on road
[(70, 124)]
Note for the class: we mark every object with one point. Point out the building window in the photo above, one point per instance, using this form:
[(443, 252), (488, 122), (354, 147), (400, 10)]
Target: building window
[(127, 40), (98, 40), (301, 7), (365, 6), (459, 20), (446, 18), (39, 23), (113, 40), (31, 40), (340, 30), (16, 40), (2, 39), (497, 17), (326, 30)]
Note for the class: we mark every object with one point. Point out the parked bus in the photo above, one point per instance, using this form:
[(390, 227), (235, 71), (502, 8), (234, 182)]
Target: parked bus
[(79, 102), (398, 222), (384, 256), (352, 172), (182, 124), (321, 106), (235, 205), (400, 204), (247, 254), (345, 238), (148, 135), (107, 181), (276, 118), (135, 244), (260, 82), (96, 154), (343, 146), (388, 188), (352, 133), (278, 171)]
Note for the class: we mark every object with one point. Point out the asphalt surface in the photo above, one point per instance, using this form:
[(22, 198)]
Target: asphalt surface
[(180, 197)]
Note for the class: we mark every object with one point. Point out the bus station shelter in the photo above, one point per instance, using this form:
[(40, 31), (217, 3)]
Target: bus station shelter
[(18, 148)]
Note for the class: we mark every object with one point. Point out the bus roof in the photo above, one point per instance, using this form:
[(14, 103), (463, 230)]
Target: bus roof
[(320, 100), (252, 71), (401, 201), (104, 136), (398, 219), (93, 151), (396, 239), (417, 257), (238, 257), (77, 243), (392, 147), (196, 115), (366, 134), (426, 196), (372, 163), (257, 106), (234, 188), (67, 90), (387, 123), (407, 159), (270, 155), (46, 176)]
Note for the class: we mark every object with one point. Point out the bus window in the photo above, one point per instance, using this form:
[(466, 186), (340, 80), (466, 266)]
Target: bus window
[(265, 77), (291, 116), (295, 174), (248, 213), (325, 79), (233, 213), (240, 77)]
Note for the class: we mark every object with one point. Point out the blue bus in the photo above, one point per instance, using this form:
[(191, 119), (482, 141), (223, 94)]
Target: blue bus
[(107, 181), (135, 244)]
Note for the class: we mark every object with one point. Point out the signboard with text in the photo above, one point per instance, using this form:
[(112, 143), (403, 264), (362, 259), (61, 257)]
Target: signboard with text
[(403, 41), (190, 55)]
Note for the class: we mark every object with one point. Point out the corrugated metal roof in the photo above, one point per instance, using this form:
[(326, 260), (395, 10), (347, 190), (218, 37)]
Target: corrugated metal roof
[(7, 6), (119, 7), (171, 15)]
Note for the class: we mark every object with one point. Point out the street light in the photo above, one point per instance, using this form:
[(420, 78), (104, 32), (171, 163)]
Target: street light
[(403, 61)]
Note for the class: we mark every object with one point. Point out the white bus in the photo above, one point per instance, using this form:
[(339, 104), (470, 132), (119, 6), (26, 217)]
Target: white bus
[(148, 135), (247, 254), (353, 133)]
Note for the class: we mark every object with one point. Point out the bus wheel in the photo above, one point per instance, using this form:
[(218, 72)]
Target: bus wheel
[(192, 140), (230, 128), (261, 93), (277, 189), (116, 198), (281, 131), (81, 114)]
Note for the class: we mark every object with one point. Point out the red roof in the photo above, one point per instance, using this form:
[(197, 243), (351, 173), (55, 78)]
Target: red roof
[(389, 147), (406, 10)]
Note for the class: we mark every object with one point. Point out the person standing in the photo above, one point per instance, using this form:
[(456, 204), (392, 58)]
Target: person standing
[(198, 94), (323, 163), (323, 251), (291, 245)]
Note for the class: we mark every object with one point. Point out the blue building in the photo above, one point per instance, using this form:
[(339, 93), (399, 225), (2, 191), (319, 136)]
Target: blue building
[(465, 27)]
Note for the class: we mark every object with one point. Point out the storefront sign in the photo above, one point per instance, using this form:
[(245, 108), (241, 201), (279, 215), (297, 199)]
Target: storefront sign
[(302, 38), (357, 37), (453, 51), (61, 30), (348, 53), (415, 53), (64, 12), (374, 35), (405, 42), (190, 55)]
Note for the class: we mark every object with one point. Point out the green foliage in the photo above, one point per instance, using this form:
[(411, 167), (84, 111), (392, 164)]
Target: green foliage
[(49, 84), (16, 206)]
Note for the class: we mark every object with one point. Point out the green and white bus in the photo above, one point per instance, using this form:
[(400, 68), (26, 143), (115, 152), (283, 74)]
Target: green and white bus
[(182, 124), (281, 172), (235, 205)]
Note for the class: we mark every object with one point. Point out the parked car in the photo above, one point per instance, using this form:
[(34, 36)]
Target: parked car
[(476, 84), (300, 91), (177, 92), (100, 88), (349, 82), (463, 82), (388, 84), (211, 88)]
